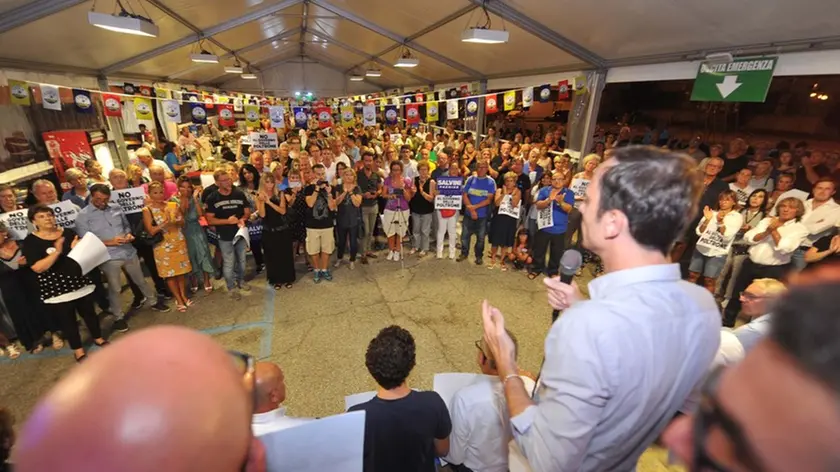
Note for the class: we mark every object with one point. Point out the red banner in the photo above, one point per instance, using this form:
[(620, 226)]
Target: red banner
[(563, 90), (67, 149), (324, 117), (111, 105), (491, 104), (145, 91), (419, 98), (226, 115), (412, 114)]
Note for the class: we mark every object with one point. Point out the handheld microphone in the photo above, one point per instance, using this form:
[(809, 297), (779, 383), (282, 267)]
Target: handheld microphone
[(569, 265)]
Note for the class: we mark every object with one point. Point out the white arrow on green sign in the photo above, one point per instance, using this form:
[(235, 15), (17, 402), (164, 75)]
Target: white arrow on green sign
[(742, 80)]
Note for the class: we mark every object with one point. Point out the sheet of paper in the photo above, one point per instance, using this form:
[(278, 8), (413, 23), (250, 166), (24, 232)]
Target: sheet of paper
[(89, 252), (334, 444), (207, 180), (17, 222), (356, 398), (448, 383), (243, 234)]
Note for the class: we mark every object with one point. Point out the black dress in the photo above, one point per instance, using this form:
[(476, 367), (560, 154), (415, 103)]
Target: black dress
[(28, 320), (277, 246), (503, 230)]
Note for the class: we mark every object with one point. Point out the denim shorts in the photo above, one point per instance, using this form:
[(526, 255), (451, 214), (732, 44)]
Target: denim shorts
[(709, 267)]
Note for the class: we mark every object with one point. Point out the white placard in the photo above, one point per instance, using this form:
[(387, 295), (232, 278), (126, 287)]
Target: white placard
[(89, 252), (65, 213), (131, 200), (452, 109), (448, 383), (264, 141), (358, 398), (527, 97), (50, 97), (578, 187), (243, 234), (448, 202), (207, 180), (17, 223), (507, 208), (238, 106), (334, 444), (545, 217), (277, 115)]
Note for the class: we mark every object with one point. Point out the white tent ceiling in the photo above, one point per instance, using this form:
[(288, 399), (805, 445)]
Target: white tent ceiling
[(336, 37)]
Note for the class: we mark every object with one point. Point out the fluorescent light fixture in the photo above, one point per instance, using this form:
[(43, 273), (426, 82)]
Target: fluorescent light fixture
[(236, 68), (356, 78), (484, 36), (204, 57), (123, 23), (407, 62), (373, 73), (248, 76)]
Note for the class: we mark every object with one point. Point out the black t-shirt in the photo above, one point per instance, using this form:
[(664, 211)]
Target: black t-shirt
[(733, 166), (348, 214), (368, 184), (207, 192), (223, 207), (496, 162), (319, 215), (400, 434), (418, 203), (823, 244)]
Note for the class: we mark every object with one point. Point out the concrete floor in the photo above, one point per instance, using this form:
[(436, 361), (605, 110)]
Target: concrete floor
[(318, 333)]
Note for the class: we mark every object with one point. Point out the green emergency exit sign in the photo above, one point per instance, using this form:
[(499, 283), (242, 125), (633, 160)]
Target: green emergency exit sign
[(742, 80)]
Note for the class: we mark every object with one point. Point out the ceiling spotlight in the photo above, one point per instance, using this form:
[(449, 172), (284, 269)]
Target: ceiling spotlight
[(357, 78), (248, 75), (484, 36), (236, 68), (373, 73), (204, 57), (124, 22), (484, 33), (407, 60), (813, 94), (297, 94)]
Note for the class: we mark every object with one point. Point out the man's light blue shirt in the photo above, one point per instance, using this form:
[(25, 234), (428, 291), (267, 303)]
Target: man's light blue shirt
[(106, 224), (617, 368)]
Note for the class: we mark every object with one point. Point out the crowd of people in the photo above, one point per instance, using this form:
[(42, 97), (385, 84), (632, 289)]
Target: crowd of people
[(644, 359)]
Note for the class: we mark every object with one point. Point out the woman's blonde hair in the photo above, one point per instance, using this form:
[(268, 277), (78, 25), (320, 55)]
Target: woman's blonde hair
[(131, 170), (591, 157), (264, 179), (510, 175), (352, 172)]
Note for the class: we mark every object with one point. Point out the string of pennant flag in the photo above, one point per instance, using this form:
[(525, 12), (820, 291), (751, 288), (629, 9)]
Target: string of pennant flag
[(429, 103)]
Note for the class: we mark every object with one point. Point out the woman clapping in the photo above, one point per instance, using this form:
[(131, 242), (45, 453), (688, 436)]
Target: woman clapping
[(171, 257), (273, 208), (348, 199)]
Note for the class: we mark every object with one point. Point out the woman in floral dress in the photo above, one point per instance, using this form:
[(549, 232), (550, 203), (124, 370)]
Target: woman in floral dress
[(171, 256)]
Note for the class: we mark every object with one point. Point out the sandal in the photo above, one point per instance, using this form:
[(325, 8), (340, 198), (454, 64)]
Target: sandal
[(57, 342), (288, 285), (208, 288), (277, 286), (189, 302), (492, 265), (38, 349), (102, 344), (504, 268), (181, 308), (12, 351), (81, 358), (533, 275)]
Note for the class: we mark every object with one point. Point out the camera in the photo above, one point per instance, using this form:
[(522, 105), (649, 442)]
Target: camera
[(398, 191)]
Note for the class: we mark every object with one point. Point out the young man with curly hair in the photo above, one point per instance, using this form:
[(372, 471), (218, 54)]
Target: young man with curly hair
[(404, 429)]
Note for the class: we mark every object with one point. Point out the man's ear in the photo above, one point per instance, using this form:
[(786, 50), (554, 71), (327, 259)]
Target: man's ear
[(614, 224)]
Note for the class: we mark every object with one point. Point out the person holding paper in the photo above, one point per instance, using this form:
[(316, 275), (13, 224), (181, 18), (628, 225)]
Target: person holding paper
[(717, 230), (404, 429), (171, 256), (508, 201), (551, 234), (107, 222), (61, 286), (228, 210)]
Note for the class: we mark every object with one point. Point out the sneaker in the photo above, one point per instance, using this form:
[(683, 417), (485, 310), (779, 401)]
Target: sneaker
[(244, 286), (260, 268), (120, 326), (412, 252), (352, 265), (138, 303), (160, 307), (326, 275), (317, 277), (337, 263), (440, 255), (421, 254), (234, 294), (396, 256), (390, 256), (460, 258), (452, 256)]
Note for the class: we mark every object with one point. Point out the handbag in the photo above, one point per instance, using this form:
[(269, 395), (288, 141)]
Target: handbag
[(144, 237)]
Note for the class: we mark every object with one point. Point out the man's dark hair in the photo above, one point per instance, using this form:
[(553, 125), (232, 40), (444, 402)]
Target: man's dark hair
[(806, 326), (367, 153), (100, 188), (448, 150), (319, 166), (657, 190), (405, 147), (390, 357), (310, 145)]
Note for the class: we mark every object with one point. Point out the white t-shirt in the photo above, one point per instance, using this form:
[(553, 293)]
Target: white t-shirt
[(714, 244)]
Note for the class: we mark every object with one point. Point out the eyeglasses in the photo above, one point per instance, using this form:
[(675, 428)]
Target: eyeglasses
[(751, 296), (246, 364), (712, 415)]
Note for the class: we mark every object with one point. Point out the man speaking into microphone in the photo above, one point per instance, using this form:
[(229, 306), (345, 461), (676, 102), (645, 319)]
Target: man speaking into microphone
[(619, 365)]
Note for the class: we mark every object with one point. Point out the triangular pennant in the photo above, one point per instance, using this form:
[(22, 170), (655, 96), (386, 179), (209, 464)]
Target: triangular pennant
[(412, 114), (324, 117), (347, 116), (252, 116), (300, 117), (198, 113), (83, 102), (161, 93), (129, 89), (50, 98), (238, 106), (171, 111), (580, 84), (145, 91)]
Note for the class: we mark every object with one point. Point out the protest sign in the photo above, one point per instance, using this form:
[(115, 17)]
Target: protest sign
[(17, 222), (450, 191), (264, 141), (131, 200), (65, 213)]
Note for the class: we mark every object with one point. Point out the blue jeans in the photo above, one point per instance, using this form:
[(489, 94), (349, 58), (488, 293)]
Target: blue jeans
[(797, 260), (233, 262), (470, 227)]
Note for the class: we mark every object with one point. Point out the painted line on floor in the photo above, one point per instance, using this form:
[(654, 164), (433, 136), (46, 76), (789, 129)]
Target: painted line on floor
[(268, 322)]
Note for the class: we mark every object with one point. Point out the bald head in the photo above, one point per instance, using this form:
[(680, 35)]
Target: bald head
[(165, 398), (271, 387)]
